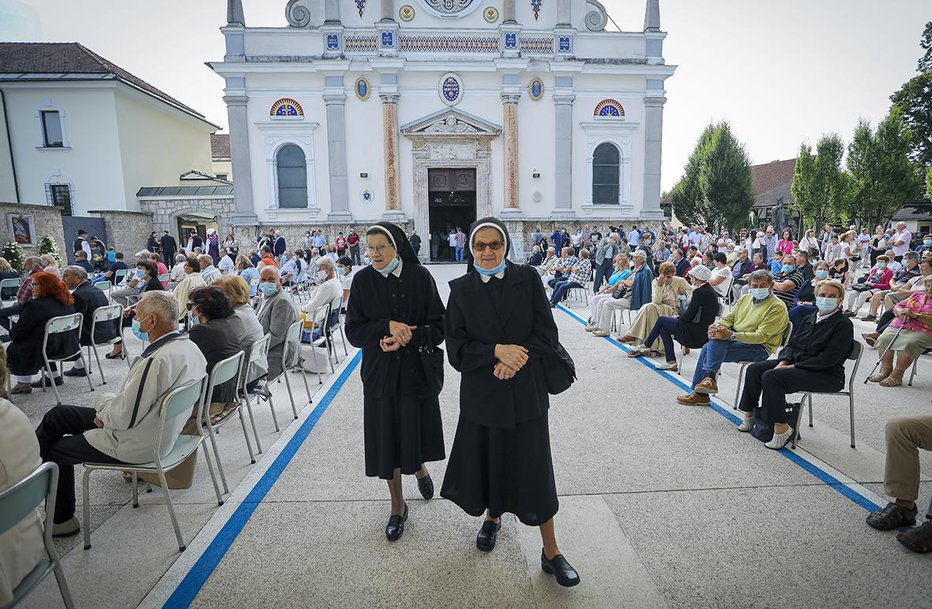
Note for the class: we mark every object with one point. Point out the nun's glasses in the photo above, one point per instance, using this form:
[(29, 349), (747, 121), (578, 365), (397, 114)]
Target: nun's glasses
[(479, 246)]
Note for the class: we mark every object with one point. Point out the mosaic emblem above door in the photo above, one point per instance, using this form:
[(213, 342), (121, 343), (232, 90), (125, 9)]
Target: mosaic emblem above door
[(536, 89), (451, 89), (450, 7)]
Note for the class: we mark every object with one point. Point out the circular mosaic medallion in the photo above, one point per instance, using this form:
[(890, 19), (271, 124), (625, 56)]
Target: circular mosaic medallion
[(490, 14), (451, 89), (450, 8), (536, 89), (406, 12)]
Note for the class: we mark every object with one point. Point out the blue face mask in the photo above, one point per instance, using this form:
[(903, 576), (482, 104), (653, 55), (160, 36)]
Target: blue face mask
[(143, 336), (927, 242), (821, 274), (788, 268), (388, 269), (826, 304), (341, 271), (760, 293), (490, 272), (881, 265), (269, 289), (140, 273)]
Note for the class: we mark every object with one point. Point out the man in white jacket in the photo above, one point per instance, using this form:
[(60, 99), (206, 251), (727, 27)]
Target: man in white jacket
[(122, 428)]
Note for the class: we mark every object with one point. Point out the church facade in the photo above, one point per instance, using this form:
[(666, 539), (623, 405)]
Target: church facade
[(432, 113)]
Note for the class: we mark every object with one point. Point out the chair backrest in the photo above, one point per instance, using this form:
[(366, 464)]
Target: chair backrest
[(107, 313), (6, 284), (164, 277), (224, 370), (333, 319), (103, 285), (292, 344), (22, 499), (856, 349), (721, 309), (785, 340), (63, 323), (119, 275), (320, 315), (182, 400)]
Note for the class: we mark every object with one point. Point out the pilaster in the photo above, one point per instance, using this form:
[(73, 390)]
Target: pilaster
[(653, 150), (237, 101), (335, 102), (563, 97)]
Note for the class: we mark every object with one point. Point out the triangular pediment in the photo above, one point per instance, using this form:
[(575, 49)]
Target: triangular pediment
[(451, 123)]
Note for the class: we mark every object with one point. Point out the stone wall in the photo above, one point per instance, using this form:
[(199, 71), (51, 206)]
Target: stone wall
[(47, 222), (127, 231), (165, 211)]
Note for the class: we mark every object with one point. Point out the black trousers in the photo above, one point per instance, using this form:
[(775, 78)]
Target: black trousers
[(768, 386), (602, 273), (61, 441), (6, 313), (884, 320)]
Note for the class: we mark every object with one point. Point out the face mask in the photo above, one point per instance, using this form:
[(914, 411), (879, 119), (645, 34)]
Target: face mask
[(269, 289), (321, 276), (760, 293), (143, 336), (788, 268), (341, 271), (388, 269), (490, 272), (821, 274), (826, 305), (881, 265), (284, 258), (140, 273), (927, 242)]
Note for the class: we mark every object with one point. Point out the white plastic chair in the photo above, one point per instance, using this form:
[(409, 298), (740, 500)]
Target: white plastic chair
[(857, 350), (257, 352), (179, 402), (62, 324), (19, 502), (112, 314), (222, 372)]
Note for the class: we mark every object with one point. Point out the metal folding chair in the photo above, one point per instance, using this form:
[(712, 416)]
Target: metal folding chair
[(290, 358), (112, 314), (19, 502), (118, 276), (334, 323), (857, 350), (915, 365), (257, 352), (321, 316), (222, 372), (62, 324), (105, 287), (6, 285), (783, 343), (179, 402)]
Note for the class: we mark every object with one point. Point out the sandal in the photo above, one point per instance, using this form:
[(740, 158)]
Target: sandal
[(880, 376), (892, 381), (917, 539), (891, 517)]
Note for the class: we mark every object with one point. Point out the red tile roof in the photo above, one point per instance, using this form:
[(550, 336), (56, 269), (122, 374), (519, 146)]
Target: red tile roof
[(220, 145), (770, 175)]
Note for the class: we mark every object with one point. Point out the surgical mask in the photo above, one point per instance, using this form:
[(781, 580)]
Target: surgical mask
[(927, 242), (760, 293), (341, 271), (321, 276), (788, 268), (388, 269), (269, 289), (285, 257), (826, 304), (140, 273), (143, 336), (881, 265), (490, 272), (823, 274)]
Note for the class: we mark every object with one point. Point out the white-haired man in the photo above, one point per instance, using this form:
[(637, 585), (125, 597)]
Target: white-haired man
[(132, 284), (209, 272)]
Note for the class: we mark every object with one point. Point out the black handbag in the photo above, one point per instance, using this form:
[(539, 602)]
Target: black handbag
[(431, 363), (619, 292), (764, 432), (559, 370)]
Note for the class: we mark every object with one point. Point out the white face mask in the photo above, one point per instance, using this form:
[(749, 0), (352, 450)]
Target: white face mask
[(321, 276)]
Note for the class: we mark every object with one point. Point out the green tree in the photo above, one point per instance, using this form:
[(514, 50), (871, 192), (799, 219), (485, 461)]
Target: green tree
[(929, 182), (47, 245), (925, 62), (819, 182), (914, 100), (13, 254), (716, 189), (882, 177)]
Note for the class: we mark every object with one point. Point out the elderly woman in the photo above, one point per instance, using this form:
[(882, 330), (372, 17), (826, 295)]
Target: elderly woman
[(907, 336), (814, 360), (394, 314), (50, 298), (549, 263), (536, 256), (50, 265), (177, 273), (499, 329), (147, 273), (606, 293), (247, 270), (637, 293), (246, 324), (877, 280), (667, 292), (276, 314)]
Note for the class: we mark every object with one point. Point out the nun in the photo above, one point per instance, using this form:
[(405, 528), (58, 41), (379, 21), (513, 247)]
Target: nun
[(396, 310), (499, 328)]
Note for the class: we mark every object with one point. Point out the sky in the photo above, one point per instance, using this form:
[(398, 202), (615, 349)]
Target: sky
[(779, 71)]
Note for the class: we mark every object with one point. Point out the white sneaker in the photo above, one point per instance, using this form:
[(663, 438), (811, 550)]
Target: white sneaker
[(746, 424), (67, 528), (780, 440), (671, 366)]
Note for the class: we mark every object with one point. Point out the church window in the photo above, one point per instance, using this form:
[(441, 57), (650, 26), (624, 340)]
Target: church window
[(606, 175), (292, 177)]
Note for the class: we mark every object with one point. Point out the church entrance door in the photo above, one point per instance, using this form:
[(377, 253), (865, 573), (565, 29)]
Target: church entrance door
[(451, 205)]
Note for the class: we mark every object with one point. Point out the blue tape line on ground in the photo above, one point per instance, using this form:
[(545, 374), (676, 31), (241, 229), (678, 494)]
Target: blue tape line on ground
[(813, 469), (207, 563)]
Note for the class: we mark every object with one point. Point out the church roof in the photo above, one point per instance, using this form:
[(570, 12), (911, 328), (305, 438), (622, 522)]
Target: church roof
[(21, 61)]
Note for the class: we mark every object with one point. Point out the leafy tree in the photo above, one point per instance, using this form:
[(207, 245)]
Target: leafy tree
[(47, 245), (13, 254), (716, 189), (818, 181), (925, 62), (929, 182), (914, 100)]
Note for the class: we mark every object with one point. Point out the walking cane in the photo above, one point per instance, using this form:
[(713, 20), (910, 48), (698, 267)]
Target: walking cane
[(883, 354)]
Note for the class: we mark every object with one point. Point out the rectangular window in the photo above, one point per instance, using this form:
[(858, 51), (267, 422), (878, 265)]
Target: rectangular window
[(61, 197), (221, 176), (51, 129)]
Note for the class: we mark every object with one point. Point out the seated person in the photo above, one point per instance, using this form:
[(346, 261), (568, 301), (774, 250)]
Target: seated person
[(905, 436), (751, 331), (877, 280), (225, 263), (580, 273), (21, 547), (742, 265), (247, 270), (177, 273), (721, 275), (289, 268), (249, 330), (536, 256), (50, 298), (813, 360), (906, 338), (776, 263), (330, 290), (637, 293), (346, 273), (209, 272), (118, 264), (741, 285), (839, 271), (132, 286), (787, 282), (564, 267), (691, 329), (80, 259), (88, 299), (159, 265), (122, 428), (622, 272), (216, 336), (804, 305), (8, 272), (681, 263), (902, 281), (549, 264), (667, 292), (276, 314), (50, 265), (32, 264), (890, 301), (192, 279)]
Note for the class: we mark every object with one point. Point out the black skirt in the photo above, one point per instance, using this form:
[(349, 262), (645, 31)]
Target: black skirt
[(401, 432), (503, 470)]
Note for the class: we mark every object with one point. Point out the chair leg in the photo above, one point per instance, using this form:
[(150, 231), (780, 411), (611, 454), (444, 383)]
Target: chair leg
[(912, 373), (213, 444), (86, 367), (103, 381), (343, 340), (294, 410), (63, 585), (810, 410), (242, 420), (135, 490), (210, 469), (307, 389), (86, 525), (51, 379), (851, 415), (171, 510), (252, 420), (738, 388), (799, 418)]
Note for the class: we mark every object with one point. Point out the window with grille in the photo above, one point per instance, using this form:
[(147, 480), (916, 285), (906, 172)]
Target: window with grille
[(292, 177), (51, 129), (60, 196), (606, 175)]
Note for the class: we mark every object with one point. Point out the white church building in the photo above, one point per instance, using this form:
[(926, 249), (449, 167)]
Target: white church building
[(432, 113)]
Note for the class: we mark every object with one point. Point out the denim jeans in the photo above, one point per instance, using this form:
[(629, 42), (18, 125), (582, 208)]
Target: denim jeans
[(560, 289), (663, 329), (717, 351), (460, 252)]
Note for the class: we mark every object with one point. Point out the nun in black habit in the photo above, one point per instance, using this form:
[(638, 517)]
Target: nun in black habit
[(499, 328), (395, 309)]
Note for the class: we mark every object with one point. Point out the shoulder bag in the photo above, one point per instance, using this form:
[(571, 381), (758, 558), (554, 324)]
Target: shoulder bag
[(559, 370), (431, 363)]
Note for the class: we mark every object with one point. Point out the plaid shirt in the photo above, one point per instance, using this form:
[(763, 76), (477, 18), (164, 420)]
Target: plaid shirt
[(581, 274), (24, 293)]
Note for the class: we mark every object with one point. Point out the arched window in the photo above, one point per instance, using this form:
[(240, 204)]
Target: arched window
[(292, 177), (606, 175)]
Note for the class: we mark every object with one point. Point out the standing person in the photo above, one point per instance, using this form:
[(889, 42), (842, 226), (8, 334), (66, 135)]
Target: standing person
[(634, 238), (81, 243), (415, 243), (435, 239), (278, 245), (213, 245), (499, 329), (451, 241), (605, 253), (395, 311), (152, 243), (900, 242), (193, 241), (341, 244), (169, 247), (353, 242), (460, 244), (320, 240)]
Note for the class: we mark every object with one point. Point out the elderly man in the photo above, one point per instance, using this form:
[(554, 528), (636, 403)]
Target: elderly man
[(900, 241), (605, 253), (88, 299), (682, 264), (276, 313), (209, 272), (80, 259), (132, 286), (751, 332), (32, 264), (788, 281), (122, 428), (289, 268), (330, 290)]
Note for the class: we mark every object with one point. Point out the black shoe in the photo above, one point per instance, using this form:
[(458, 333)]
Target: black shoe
[(39, 384), (5, 338), (563, 571), (426, 486), (891, 517), (120, 355), (76, 372), (396, 526), (918, 539), (485, 540)]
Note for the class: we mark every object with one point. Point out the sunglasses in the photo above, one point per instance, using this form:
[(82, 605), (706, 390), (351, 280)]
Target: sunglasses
[(479, 246)]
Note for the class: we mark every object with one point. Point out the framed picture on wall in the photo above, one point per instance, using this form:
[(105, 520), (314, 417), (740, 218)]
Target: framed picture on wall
[(22, 228)]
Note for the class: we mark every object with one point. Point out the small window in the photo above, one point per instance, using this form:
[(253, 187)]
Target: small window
[(51, 129), (292, 177), (606, 174), (60, 195), (221, 176)]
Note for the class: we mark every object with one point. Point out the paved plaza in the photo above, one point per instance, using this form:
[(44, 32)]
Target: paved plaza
[(662, 505)]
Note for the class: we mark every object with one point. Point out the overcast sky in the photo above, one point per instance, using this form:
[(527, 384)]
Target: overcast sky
[(781, 71)]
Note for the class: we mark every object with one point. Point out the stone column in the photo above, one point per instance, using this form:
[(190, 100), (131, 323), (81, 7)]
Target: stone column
[(653, 137), (563, 12), (388, 11), (245, 211), (335, 100), (511, 204), (331, 11), (508, 11), (390, 153), (563, 97)]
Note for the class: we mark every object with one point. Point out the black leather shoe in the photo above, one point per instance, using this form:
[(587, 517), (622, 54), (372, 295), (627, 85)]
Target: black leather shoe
[(426, 486), (396, 526), (891, 517), (485, 540), (563, 571), (38, 384), (75, 372)]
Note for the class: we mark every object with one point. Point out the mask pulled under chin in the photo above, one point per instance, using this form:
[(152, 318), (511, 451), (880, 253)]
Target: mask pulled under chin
[(489, 272), (389, 268)]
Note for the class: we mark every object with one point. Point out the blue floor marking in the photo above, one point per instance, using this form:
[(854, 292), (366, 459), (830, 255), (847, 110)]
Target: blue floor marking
[(207, 563), (813, 469)]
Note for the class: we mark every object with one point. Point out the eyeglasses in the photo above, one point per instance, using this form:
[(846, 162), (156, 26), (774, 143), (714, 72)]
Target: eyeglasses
[(33, 285), (378, 249), (191, 305), (479, 246)]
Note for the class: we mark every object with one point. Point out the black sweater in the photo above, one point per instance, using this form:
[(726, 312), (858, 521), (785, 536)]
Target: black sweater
[(821, 347)]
